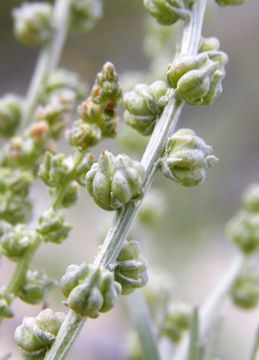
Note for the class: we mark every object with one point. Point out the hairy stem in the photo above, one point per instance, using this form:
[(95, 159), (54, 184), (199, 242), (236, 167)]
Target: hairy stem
[(123, 221), (47, 61), (211, 307)]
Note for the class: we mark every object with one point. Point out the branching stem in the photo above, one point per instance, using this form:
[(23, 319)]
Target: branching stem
[(123, 221)]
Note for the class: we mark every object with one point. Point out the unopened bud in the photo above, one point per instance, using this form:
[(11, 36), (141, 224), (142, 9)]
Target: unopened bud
[(83, 136), (167, 12), (245, 291), (177, 321), (84, 14), (251, 198), (10, 114)]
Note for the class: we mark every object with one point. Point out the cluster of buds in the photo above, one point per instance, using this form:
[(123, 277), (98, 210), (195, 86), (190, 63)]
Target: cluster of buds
[(55, 170), (144, 105), (243, 229), (245, 290), (53, 228), (14, 187), (84, 14), (5, 302), (10, 114), (33, 23), (14, 240), (187, 158), (24, 151), (177, 321), (197, 78), (36, 335), (90, 290), (114, 181), (35, 288), (130, 270), (98, 113), (168, 12)]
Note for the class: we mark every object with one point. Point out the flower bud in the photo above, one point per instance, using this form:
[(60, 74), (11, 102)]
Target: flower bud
[(167, 12), (15, 180), (251, 198), (14, 241), (83, 136), (5, 302), (193, 86), (89, 289), (209, 44), (83, 169), (114, 181), (15, 208), (84, 14), (187, 158), (53, 227), (61, 79), (215, 88), (35, 287), (144, 105), (53, 169), (10, 114), (182, 65), (130, 270), (71, 195), (106, 87), (243, 230), (33, 23), (245, 291), (229, 2), (36, 335), (177, 321)]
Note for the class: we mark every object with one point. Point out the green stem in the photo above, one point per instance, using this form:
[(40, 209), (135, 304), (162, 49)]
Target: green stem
[(47, 61), (119, 231), (140, 315), (24, 262), (211, 307)]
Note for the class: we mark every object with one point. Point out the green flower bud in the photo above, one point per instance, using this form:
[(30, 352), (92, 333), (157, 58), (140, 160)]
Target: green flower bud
[(15, 181), (215, 88), (57, 112), (14, 241), (84, 14), (144, 105), (10, 114), (187, 158), (33, 23), (243, 230), (167, 12), (62, 79), (209, 44), (71, 195), (114, 181), (53, 227), (182, 65), (177, 321), (53, 169), (90, 290), (251, 198), (36, 335), (131, 141), (152, 209), (229, 2), (245, 291), (15, 208), (130, 270), (83, 136), (193, 86), (5, 301), (106, 87), (35, 288), (83, 169)]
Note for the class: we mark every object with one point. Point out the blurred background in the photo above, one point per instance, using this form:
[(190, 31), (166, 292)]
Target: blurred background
[(189, 242)]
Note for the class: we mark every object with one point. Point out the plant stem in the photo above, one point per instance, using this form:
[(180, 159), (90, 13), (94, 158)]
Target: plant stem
[(123, 221), (140, 315), (210, 309), (47, 61), (24, 262)]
